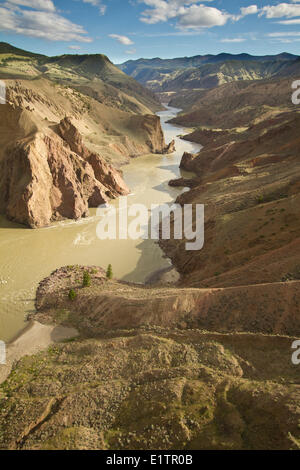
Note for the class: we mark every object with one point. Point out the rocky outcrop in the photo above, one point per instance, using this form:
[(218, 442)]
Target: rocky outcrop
[(150, 128), (150, 124), (47, 173), (170, 148), (49, 177), (187, 161), (184, 183), (106, 174), (117, 126)]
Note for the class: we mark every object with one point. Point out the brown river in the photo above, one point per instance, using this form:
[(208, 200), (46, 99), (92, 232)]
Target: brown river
[(27, 256)]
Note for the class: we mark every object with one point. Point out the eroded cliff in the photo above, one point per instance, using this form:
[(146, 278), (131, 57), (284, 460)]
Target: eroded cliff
[(54, 167), (43, 179), (248, 180)]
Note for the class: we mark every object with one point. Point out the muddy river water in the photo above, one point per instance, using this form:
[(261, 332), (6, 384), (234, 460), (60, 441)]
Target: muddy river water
[(27, 256)]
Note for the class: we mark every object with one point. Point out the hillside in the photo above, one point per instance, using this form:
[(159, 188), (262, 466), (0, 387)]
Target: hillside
[(202, 72), (93, 71), (234, 104), (170, 384), (247, 176), (201, 364), (6, 48), (65, 130)]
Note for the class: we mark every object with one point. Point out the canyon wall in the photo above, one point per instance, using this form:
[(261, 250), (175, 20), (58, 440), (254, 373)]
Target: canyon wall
[(52, 166)]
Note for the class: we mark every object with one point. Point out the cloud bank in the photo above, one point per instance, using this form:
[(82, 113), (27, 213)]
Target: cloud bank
[(40, 19)]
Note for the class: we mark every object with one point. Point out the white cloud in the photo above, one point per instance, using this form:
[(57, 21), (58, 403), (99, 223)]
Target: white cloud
[(281, 10), (201, 16), (130, 51), (163, 10), (246, 11), (251, 10), (233, 40), (41, 24), (190, 14), (122, 39), (282, 34), (46, 5), (287, 22), (285, 37)]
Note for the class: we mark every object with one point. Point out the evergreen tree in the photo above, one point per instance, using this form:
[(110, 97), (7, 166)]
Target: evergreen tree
[(86, 282), (72, 295), (109, 273)]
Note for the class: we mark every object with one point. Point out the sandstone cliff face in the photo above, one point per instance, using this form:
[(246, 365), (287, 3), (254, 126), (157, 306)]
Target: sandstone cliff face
[(106, 174), (47, 177), (187, 161), (156, 140), (149, 128), (47, 172), (170, 148)]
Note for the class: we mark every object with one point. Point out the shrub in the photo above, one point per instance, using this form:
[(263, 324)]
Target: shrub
[(86, 282), (72, 295), (109, 273), (260, 199)]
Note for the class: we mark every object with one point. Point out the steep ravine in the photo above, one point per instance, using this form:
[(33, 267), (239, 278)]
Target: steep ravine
[(27, 256)]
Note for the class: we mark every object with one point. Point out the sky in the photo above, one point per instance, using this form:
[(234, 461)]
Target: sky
[(131, 29)]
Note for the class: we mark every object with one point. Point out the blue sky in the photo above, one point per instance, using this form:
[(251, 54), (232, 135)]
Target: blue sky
[(130, 29)]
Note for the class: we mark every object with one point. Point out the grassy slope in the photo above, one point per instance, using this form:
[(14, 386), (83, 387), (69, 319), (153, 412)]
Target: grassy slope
[(74, 70)]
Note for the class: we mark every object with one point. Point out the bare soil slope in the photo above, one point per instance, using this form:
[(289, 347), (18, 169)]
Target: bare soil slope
[(128, 384)]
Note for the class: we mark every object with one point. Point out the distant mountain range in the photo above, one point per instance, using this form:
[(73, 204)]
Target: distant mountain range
[(208, 71)]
